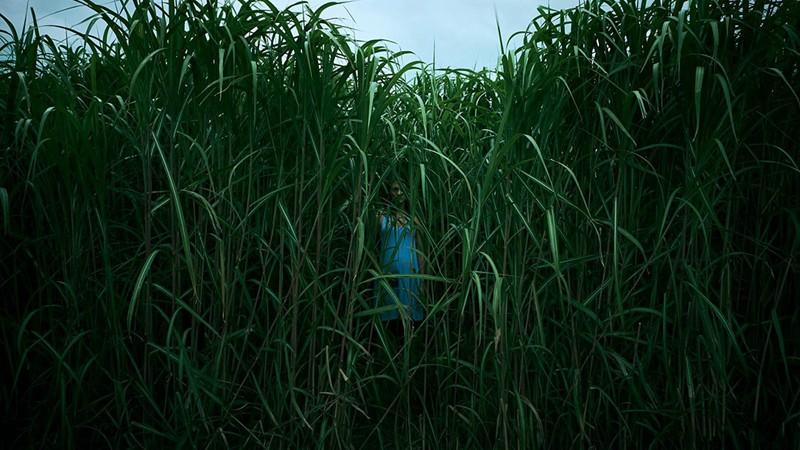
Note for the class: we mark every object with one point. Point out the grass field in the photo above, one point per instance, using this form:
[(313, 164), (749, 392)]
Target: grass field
[(611, 225)]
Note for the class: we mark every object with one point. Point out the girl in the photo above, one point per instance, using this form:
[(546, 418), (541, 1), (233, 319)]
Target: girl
[(400, 254)]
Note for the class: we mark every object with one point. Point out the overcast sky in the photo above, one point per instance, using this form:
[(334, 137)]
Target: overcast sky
[(463, 32)]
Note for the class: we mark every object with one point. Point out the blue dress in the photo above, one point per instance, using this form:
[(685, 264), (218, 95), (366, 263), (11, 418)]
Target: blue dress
[(398, 257)]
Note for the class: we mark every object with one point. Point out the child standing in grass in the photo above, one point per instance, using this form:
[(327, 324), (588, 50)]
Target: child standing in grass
[(400, 254)]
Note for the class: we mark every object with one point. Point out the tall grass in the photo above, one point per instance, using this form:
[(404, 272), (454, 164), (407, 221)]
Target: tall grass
[(610, 222)]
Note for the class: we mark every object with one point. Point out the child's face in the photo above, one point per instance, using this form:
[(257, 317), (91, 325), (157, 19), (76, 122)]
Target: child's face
[(398, 196)]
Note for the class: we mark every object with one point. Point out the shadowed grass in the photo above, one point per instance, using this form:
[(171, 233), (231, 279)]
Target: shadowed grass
[(610, 224)]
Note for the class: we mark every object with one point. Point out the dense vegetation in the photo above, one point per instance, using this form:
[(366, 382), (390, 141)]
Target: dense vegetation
[(611, 224)]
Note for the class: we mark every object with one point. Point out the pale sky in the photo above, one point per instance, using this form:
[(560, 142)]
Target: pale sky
[(463, 32)]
